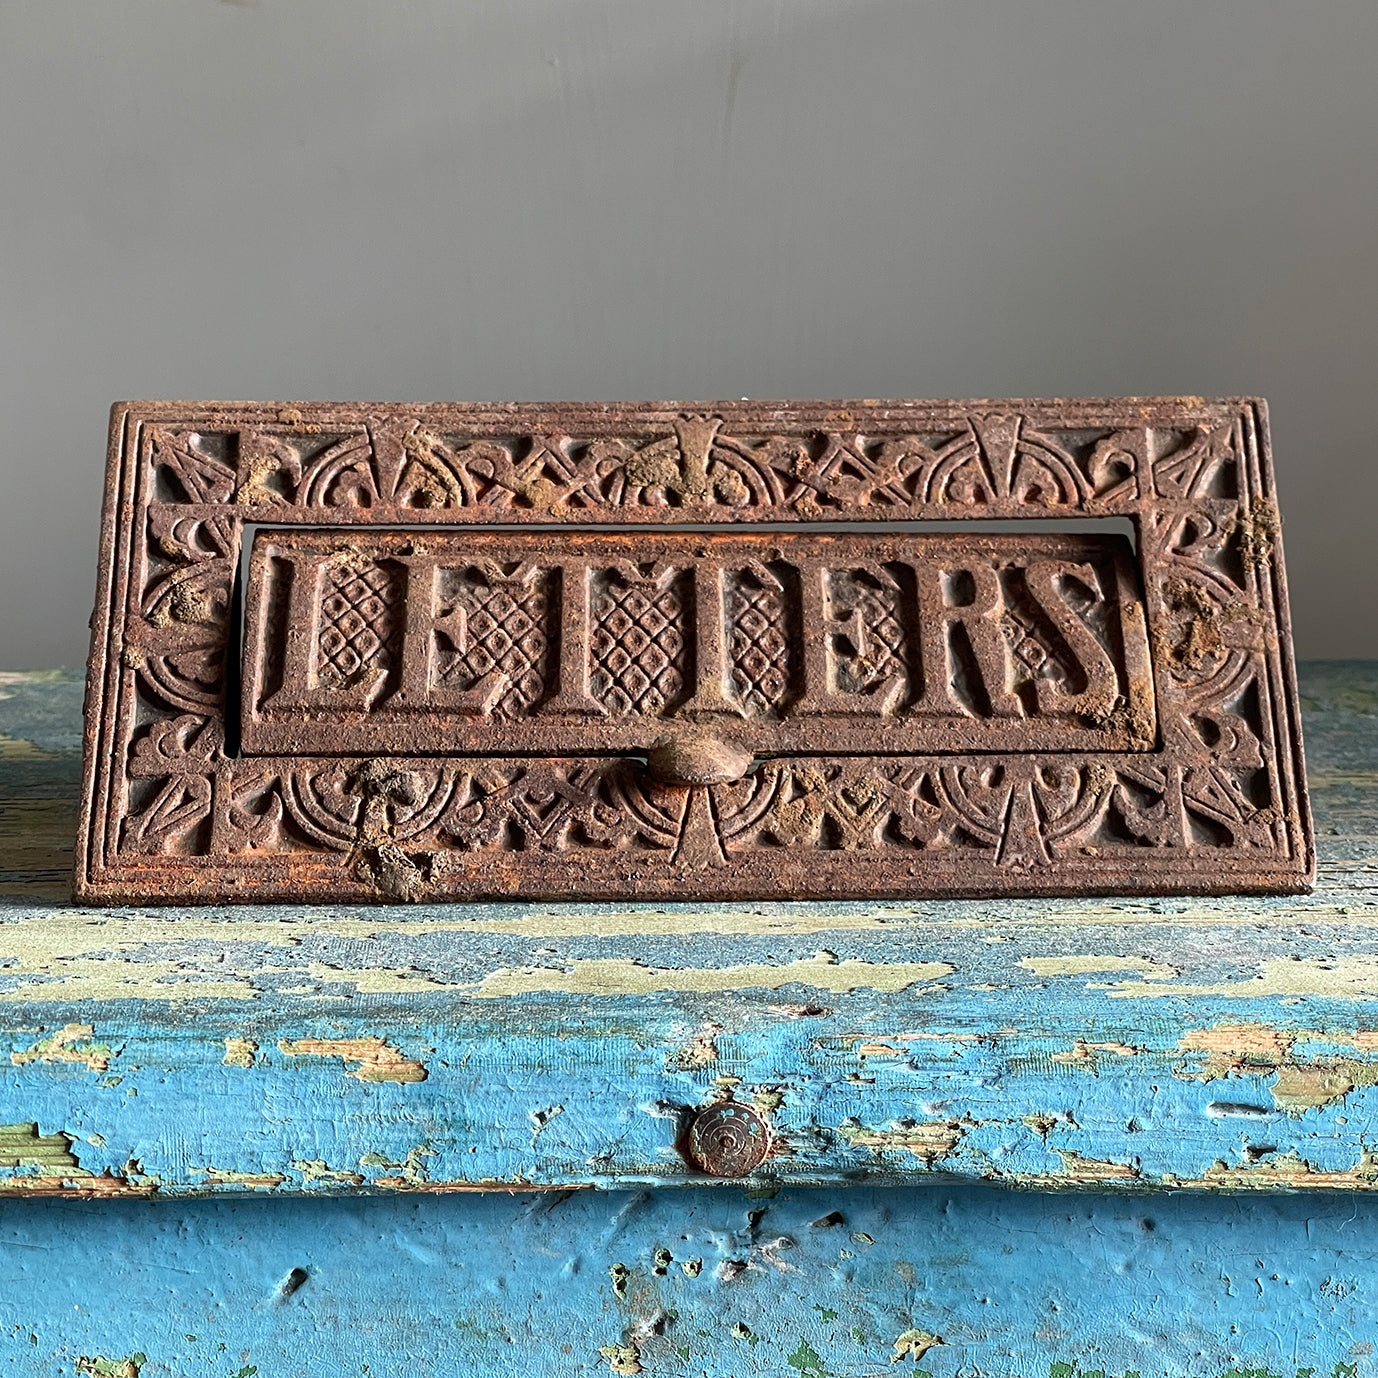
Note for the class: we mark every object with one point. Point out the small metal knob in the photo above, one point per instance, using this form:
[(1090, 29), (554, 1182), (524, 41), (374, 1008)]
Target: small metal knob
[(727, 1140), (697, 758)]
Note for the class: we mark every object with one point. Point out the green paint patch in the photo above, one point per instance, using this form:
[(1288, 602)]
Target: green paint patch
[(826, 1312), (808, 1361)]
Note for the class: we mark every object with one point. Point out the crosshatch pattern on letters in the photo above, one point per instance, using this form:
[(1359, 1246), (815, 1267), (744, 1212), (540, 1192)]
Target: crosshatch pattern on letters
[(1187, 779), (445, 642)]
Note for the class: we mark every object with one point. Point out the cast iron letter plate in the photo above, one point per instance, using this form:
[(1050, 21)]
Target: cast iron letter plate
[(730, 650)]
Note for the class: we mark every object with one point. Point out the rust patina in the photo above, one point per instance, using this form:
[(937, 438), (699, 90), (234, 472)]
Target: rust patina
[(726, 1140), (721, 650)]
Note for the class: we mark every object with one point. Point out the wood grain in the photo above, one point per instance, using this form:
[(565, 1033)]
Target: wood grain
[(1106, 1044)]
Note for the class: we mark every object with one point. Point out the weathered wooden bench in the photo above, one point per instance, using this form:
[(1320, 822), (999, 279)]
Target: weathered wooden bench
[(1181, 1087)]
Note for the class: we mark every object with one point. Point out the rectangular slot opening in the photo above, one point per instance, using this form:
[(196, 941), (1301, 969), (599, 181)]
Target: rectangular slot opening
[(917, 638)]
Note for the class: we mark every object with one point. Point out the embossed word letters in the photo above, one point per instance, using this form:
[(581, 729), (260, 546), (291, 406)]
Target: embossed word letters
[(442, 642)]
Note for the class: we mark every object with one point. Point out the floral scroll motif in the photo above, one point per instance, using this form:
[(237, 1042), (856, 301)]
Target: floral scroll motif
[(177, 757), (1220, 785), (991, 462)]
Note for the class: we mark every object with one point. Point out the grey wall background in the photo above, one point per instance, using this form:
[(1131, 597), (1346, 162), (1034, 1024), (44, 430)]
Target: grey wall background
[(437, 199)]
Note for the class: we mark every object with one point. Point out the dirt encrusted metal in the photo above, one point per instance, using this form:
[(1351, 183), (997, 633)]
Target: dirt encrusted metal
[(720, 650)]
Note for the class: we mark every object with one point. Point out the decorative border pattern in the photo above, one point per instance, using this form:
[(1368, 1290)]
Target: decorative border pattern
[(170, 813)]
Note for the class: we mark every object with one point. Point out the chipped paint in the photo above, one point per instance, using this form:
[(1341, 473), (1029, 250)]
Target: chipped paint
[(17, 749), (1092, 963), (699, 1051), (1356, 978), (378, 1060), (930, 1141), (891, 1045), (1290, 1171), (622, 1358), (239, 1052), (22, 1146), (97, 1367), (1084, 1051), (1233, 1047), (875, 1048), (71, 1043), (1017, 1031), (1043, 1122), (380, 980), (314, 1170), (57, 1173), (409, 1172), (75, 955), (625, 976), (1094, 1171), (118, 979), (69, 1186), (244, 1181), (1299, 1083), (54, 948), (914, 1344), (541, 1118)]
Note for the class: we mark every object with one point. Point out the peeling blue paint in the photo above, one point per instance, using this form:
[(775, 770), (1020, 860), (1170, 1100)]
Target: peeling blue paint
[(1099, 1043)]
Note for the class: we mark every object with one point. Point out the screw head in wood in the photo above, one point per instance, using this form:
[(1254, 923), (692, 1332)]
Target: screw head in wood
[(727, 1140)]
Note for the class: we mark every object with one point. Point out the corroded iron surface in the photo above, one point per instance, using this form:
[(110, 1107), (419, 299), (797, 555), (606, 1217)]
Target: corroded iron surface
[(793, 644), (683, 667)]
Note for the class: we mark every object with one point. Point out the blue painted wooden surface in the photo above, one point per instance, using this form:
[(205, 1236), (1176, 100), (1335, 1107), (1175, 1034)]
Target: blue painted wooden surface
[(1015, 1283), (1099, 1043), (345, 1065)]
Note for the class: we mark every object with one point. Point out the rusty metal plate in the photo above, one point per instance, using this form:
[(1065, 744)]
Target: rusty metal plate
[(444, 643), (725, 650)]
